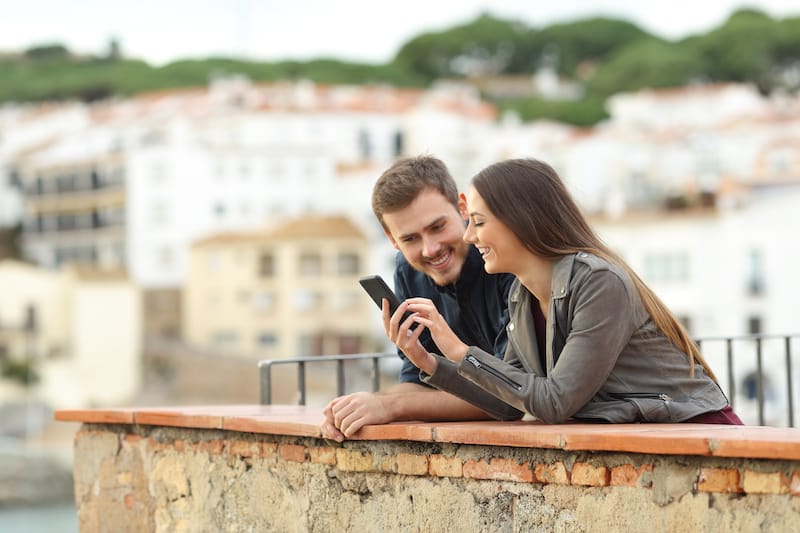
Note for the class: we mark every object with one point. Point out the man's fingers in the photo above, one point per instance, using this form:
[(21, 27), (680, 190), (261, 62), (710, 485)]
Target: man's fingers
[(351, 425), (330, 432)]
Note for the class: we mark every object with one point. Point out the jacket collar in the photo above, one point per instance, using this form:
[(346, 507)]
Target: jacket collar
[(562, 275)]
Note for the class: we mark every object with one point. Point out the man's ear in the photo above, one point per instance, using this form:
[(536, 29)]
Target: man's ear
[(462, 206), (391, 240)]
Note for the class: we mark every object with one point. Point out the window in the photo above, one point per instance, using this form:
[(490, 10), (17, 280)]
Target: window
[(348, 344), (686, 322), (305, 300), (267, 340), (66, 183), (266, 265), (310, 344), (347, 264), (263, 300), (225, 339), (159, 172), (754, 325), (310, 264), (398, 143), (214, 261), (666, 267), (345, 300), (166, 257), (755, 275), (160, 213), (364, 144)]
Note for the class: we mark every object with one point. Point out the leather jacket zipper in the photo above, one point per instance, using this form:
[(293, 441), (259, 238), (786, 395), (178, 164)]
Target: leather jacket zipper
[(499, 375), (651, 395)]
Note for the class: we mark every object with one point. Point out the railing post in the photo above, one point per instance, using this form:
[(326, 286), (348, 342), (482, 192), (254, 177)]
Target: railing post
[(301, 381), (376, 374), (760, 382), (265, 382), (789, 389), (340, 377), (731, 378)]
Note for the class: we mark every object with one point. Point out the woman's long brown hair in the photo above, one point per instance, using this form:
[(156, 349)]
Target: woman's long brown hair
[(528, 196)]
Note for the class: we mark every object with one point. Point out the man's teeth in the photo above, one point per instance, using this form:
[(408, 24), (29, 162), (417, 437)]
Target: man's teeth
[(440, 261)]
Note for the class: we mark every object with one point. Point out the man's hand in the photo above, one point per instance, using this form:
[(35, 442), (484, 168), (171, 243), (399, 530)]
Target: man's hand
[(345, 415)]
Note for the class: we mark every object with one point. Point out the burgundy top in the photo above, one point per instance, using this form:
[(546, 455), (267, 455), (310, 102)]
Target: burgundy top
[(540, 322), (725, 416)]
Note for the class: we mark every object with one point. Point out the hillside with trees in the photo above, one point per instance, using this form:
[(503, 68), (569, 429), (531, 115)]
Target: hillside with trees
[(602, 55)]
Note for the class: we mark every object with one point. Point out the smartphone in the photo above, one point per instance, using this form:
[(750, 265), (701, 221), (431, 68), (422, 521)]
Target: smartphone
[(378, 290)]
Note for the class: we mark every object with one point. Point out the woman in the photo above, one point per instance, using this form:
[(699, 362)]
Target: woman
[(588, 340)]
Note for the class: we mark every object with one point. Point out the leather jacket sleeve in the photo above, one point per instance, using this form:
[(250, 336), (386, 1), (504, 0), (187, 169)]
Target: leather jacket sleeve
[(447, 378), (602, 322)]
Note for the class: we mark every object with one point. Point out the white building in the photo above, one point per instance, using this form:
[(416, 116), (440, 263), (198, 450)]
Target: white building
[(231, 157), (79, 330), (25, 128)]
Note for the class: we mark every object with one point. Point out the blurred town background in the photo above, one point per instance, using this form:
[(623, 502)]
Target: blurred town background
[(163, 229)]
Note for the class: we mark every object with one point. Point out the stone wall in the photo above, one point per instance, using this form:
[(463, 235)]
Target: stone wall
[(152, 478)]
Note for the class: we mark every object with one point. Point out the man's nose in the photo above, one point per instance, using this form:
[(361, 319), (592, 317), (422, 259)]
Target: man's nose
[(430, 246)]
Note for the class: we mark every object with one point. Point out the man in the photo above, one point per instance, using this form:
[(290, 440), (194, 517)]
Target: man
[(417, 202)]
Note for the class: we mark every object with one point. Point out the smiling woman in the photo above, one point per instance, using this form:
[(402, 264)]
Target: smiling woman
[(587, 339)]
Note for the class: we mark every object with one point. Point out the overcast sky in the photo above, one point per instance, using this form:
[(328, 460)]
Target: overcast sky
[(160, 31)]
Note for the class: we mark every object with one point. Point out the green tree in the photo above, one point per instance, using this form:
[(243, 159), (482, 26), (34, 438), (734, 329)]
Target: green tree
[(652, 64), (47, 51), (486, 45), (593, 39), (741, 49), (583, 112)]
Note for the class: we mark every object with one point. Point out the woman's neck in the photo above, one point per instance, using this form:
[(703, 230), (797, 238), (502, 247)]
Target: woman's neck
[(537, 278)]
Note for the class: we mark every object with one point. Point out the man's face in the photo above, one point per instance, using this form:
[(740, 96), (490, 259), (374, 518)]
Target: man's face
[(428, 232)]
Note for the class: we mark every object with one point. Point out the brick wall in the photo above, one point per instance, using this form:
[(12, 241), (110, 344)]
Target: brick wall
[(172, 479)]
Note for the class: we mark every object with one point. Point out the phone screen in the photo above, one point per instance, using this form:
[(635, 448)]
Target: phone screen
[(378, 289)]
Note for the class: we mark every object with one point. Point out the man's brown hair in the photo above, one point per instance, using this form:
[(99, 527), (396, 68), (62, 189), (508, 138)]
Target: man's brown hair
[(402, 182)]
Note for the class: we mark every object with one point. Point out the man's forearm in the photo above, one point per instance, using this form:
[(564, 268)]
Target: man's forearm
[(411, 401)]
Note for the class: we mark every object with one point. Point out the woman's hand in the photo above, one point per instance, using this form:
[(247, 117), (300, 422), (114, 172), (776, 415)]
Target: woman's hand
[(406, 338), (424, 312)]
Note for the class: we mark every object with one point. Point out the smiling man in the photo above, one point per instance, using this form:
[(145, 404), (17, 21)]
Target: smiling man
[(417, 202)]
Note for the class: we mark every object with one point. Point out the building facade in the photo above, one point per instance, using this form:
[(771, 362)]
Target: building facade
[(286, 292)]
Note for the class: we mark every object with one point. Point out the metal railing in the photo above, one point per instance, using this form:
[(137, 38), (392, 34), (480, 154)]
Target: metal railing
[(733, 350), (265, 372), (734, 359)]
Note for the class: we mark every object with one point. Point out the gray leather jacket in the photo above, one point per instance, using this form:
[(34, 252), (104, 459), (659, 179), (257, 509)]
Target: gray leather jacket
[(605, 362)]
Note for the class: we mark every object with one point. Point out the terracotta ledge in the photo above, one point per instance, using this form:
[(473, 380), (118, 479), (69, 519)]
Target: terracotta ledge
[(757, 442)]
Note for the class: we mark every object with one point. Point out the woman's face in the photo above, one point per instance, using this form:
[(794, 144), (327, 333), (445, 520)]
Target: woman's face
[(501, 250)]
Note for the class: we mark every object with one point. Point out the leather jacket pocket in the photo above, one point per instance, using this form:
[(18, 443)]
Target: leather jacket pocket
[(652, 407)]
